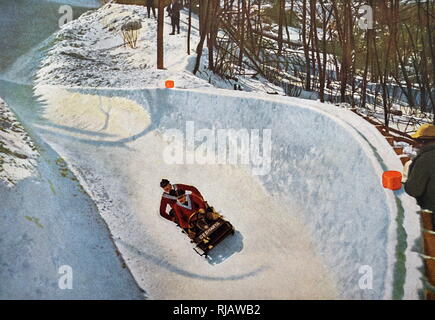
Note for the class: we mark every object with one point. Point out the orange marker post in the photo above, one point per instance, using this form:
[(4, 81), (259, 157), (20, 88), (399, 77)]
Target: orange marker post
[(392, 180), (169, 84)]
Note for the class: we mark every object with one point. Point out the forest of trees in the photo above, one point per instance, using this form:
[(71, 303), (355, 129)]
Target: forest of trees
[(385, 64)]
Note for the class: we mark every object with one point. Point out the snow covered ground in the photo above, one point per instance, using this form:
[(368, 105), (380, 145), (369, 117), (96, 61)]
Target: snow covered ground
[(47, 221), (304, 230), (17, 151), (89, 52)]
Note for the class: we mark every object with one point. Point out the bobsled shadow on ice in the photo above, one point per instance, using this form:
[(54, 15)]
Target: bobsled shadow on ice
[(163, 263), (228, 247)]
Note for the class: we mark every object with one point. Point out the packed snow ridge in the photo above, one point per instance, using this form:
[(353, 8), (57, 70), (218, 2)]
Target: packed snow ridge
[(17, 152)]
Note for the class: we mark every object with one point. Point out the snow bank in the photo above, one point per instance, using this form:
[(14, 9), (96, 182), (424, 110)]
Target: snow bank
[(17, 152), (48, 224)]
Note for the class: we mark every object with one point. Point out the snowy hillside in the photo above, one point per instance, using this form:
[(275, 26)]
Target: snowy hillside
[(89, 52)]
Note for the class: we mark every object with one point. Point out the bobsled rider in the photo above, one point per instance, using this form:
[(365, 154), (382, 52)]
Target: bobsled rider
[(185, 207), (169, 197)]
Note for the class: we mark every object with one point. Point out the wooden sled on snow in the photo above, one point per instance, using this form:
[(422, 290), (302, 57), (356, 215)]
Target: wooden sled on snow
[(210, 229)]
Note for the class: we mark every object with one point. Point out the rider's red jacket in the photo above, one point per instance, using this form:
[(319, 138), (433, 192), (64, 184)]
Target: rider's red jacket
[(183, 211), (171, 200)]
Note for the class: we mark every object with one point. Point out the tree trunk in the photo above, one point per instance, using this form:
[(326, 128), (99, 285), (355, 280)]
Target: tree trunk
[(189, 28), (205, 4), (160, 27), (305, 45), (281, 16)]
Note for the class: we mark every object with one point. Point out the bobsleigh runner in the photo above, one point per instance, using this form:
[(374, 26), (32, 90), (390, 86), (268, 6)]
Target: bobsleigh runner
[(208, 229)]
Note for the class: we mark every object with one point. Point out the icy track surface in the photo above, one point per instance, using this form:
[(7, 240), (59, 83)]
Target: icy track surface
[(303, 231)]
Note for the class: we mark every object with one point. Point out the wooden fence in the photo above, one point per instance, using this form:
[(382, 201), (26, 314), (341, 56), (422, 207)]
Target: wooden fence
[(428, 255)]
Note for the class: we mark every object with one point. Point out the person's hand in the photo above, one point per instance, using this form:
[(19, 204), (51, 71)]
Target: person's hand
[(191, 234)]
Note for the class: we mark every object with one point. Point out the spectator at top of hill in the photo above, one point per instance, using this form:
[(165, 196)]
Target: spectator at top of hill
[(174, 12)]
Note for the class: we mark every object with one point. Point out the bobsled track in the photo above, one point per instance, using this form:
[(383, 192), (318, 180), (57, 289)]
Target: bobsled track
[(303, 230), (315, 226)]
